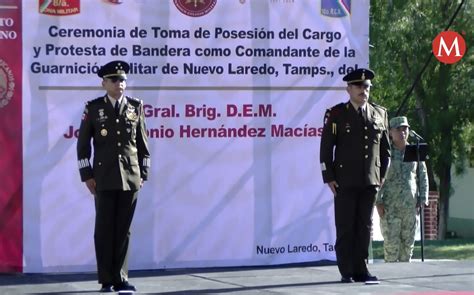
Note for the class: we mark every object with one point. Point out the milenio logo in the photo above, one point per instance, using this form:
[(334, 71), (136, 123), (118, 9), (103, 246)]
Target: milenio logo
[(195, 8), (449, 47), (7, 84)]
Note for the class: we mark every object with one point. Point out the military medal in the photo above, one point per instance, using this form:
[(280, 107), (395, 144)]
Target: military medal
[(103, 132), (348, 127), (131, 115), (102, 116)]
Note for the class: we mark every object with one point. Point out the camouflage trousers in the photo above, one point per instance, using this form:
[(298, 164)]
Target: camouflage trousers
[(398, 229)]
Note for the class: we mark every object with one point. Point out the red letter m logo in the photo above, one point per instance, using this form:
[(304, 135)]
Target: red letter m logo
[(449, 47)]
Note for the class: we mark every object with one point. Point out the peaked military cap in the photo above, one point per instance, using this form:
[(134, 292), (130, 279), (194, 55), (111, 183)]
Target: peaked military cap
[(359, 77), (116, 68), (399, 121)]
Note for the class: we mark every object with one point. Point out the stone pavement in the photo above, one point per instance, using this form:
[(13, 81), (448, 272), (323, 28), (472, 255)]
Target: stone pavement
[(428, 278)]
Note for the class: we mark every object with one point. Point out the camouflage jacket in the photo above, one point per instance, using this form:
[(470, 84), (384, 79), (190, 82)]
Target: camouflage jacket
[(399, 189)]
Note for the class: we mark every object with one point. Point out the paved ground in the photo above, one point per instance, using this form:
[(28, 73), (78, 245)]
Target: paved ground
[(428, 277)]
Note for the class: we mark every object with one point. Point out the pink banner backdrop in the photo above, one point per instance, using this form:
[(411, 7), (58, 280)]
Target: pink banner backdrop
[(11, 161)]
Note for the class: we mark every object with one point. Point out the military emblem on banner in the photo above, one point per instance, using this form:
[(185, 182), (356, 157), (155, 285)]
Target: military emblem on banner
[(195, 8), (336, 8), (59, 7), (7, 84)]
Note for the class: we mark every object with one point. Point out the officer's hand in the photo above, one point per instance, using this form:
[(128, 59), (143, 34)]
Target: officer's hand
[(333, 186), (381, 210), (90, 183)]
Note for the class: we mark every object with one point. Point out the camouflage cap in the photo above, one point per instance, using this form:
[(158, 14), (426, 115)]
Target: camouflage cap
[(399, 121)]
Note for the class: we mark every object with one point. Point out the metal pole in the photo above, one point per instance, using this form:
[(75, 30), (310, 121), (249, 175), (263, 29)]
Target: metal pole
[(418, 198)]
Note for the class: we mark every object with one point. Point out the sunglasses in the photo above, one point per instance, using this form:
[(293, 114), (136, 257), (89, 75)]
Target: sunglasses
[(361, 85), (115, 79)]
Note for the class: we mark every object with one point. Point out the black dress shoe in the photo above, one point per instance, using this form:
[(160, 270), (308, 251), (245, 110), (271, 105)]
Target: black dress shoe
[(106, 288), (124, 286), (368, 279), (346, 280), (371, 280)]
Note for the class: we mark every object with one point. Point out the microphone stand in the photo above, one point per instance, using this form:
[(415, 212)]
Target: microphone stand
[(418, 196)]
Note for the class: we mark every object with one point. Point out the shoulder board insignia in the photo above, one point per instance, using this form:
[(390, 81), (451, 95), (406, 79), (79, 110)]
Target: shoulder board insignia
[(95, 101), (377, 106), (335, 109), (134, 100)]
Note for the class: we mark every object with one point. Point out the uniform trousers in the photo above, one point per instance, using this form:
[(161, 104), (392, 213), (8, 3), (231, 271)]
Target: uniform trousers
[(398, 230), (114, 214), (353, 214)]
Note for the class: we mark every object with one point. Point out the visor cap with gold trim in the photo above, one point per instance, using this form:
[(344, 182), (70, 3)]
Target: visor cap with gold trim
[(359, 77), (116, 68)]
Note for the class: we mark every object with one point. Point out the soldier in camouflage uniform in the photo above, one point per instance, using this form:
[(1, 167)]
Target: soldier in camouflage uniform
[(396, 202), (116, 125)]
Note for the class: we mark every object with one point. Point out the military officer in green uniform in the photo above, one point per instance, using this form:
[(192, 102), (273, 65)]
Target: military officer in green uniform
[(397, 202), (355, 155), (116, 125)]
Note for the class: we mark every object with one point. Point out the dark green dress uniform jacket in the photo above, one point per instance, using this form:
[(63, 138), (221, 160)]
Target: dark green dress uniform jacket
[(355, 153), (121, 155)]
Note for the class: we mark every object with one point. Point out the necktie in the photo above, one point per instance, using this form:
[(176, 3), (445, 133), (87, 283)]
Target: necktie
[(361, 115), (117, 107)]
